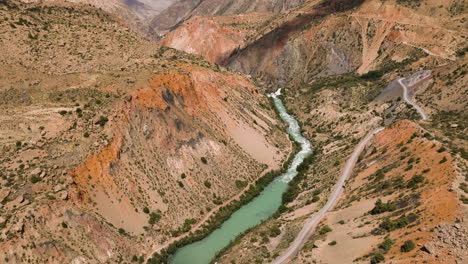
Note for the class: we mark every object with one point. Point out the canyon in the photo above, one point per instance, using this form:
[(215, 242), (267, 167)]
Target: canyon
[(130, 130)]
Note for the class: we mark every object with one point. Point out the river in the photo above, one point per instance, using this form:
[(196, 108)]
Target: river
[(253, 213)]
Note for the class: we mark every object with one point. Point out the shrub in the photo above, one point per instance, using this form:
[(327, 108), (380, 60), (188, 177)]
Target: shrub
[(146, 210), (415, 180), (444, 159), (275, 231), (381, 207), (121, 231), (377, 257), (86, 135), (402, 221), (102, 121), (63, 112), (154, 217), (35, 179), (183, 176), (241, 184), (203, 159), (64, 225), (408, 246), (181, 185), (442, 149), (387, 244), (207, 184), (332, 243), (325, 229)]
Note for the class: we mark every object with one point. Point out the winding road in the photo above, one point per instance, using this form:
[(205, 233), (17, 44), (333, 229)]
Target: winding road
[(308, 228), (338, 189), (406, 98)]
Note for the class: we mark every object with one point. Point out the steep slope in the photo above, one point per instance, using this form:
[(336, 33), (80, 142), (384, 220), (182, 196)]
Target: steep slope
[(110, 145), (215, 38), (183, 10), (366, 38), (333, 60), (154, 18)]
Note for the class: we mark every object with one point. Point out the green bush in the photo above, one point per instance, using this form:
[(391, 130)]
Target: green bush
[(154, 217), (402, 221), (275, 231), (381, 207), (387, 244), (332, 243), (325, 229), (35, 179), (203, 159), (241, 184), (408, 246), (315, 198), (102, 121), (377, 257), (415, 180), (207, 184), (146, 210)]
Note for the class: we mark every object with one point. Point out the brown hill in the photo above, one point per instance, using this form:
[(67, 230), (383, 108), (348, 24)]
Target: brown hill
[(110, 145)]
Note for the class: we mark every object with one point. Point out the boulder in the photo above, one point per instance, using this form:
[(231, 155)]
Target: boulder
[(4, 194), (36, 171), (429, 248)]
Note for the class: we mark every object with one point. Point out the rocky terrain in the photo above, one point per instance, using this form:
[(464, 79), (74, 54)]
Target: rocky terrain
[(112, 146), (155, 18), (340, 64)]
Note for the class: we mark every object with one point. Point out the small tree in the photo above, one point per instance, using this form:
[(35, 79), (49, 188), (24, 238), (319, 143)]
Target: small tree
[(203, 159)]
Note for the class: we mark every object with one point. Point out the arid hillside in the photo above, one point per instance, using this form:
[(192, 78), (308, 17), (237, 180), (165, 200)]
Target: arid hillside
[(339, 63), (155, 18), (111, 146)]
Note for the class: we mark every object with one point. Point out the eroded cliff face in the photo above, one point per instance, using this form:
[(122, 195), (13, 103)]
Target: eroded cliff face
[(172, 138), (216, 37), (333, 37), (112, 146)]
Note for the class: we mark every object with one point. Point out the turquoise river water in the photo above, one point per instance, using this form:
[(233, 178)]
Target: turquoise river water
[(253, 213)]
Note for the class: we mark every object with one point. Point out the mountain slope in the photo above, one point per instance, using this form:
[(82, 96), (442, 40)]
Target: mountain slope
[(110, 145), (339, 68)]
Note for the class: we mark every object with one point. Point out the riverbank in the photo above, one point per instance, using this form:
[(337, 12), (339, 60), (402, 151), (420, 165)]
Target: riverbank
[(226, 212)]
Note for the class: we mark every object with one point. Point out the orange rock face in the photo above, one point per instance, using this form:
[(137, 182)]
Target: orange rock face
[(214, 38)]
